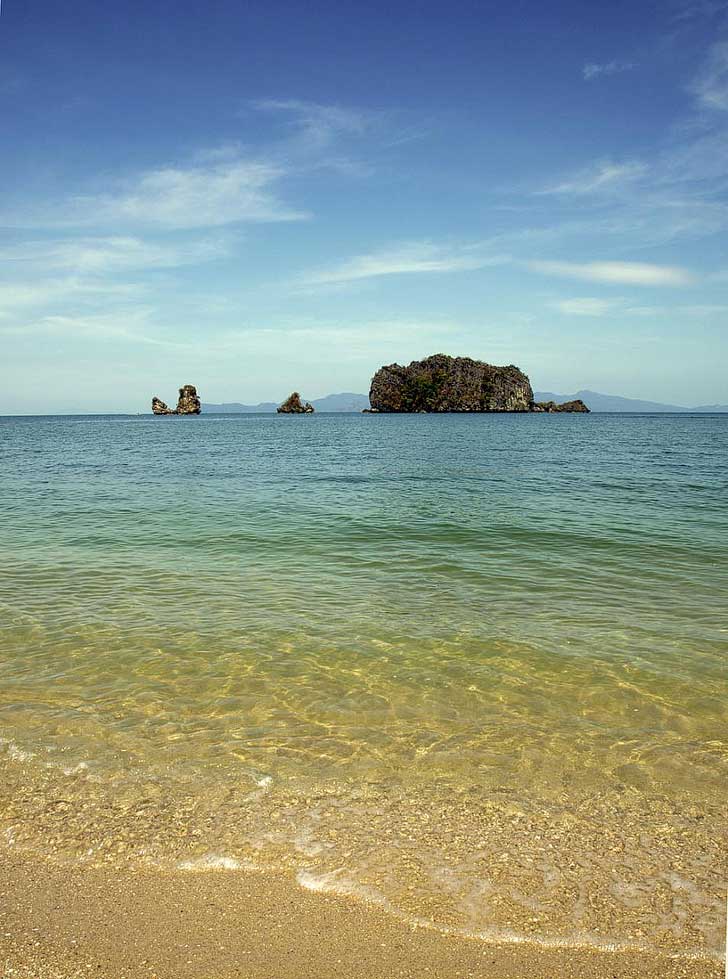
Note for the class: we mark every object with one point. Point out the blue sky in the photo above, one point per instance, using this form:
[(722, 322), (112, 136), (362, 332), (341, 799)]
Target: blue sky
[(257, 197)]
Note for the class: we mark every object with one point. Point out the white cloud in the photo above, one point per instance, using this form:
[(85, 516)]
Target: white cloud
[(711, 84), (316, 126), (218, 185), (585, 306), (319, 136), (133, 325), (699, 9), (173, 198), (628, 273), (22, 295), (196, 197), (592, 70), (679, 194), (360, 338), (410, 257), (103, 255), (601, 176), (697, 311)]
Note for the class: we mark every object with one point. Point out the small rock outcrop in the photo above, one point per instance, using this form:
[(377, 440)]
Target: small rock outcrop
[(551, 406), (187, 404), (160, 408), (442, 383), (294, 406)]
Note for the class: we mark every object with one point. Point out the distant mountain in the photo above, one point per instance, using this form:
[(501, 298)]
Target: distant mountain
[(346, 401), (342, 402), (612, 402), (234, 408)]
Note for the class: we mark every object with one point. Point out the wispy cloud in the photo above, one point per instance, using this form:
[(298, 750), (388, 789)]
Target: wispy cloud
[(679, 193), (196, 197), (584, 306), (90, 255), (407, 258), (320, 123), (334, 137), (593, 70), (175, 198), (627, 273), (54, 292), (699, 9), (711, 83), (357, 339), (695, 311), (138, 324), (601, 176)]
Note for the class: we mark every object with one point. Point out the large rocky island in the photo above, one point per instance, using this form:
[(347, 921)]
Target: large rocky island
[(187, 404), (441, 383)]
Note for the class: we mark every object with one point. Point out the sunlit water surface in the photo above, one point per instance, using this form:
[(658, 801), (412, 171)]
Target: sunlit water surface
[(471, 667)]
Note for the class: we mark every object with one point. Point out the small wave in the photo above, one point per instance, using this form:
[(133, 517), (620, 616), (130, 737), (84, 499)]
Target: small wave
[(14, 752), (213, 861), (334, 882), (73, 769)]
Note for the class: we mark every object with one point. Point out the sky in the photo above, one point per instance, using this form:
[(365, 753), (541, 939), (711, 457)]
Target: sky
[(256, 197)]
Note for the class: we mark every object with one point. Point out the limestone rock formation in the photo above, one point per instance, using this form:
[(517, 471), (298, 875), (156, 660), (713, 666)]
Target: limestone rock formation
[(442, 383), (294, 406), (187, 404), (551, 406), (160, 408)]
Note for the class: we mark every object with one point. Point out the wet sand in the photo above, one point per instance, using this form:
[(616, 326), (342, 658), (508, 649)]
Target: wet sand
[(64, 922)]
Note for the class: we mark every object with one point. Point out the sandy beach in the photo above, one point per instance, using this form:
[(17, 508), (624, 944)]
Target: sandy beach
[(63, 922)]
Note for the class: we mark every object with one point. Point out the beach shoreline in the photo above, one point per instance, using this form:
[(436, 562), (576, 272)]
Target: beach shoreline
[(64, 921)]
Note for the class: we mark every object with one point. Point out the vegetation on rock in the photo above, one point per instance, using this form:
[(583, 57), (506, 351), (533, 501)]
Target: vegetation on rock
[(294, 406), (442, 383), (551, 406), (187, 404)]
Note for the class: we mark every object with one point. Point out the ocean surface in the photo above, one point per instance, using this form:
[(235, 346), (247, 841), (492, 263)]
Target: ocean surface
[(470, 667)]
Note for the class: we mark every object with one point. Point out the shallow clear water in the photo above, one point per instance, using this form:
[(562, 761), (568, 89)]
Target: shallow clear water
[(472, 667)]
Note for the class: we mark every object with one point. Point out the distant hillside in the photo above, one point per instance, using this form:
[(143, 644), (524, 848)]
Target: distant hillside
[(342, 402), (234, 408), (346, 401), (612, 402)]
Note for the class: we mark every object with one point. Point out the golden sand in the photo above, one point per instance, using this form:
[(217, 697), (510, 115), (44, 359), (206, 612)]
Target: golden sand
[(64, 922)]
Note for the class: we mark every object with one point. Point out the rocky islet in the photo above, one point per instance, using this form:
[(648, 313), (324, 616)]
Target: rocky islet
[(459, 384), (188, 403), (294, 406)]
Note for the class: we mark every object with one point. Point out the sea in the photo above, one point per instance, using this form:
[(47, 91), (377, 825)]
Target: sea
[(469, 668)]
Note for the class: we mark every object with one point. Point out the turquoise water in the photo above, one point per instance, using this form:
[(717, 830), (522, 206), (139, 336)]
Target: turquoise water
[(471, 667)]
